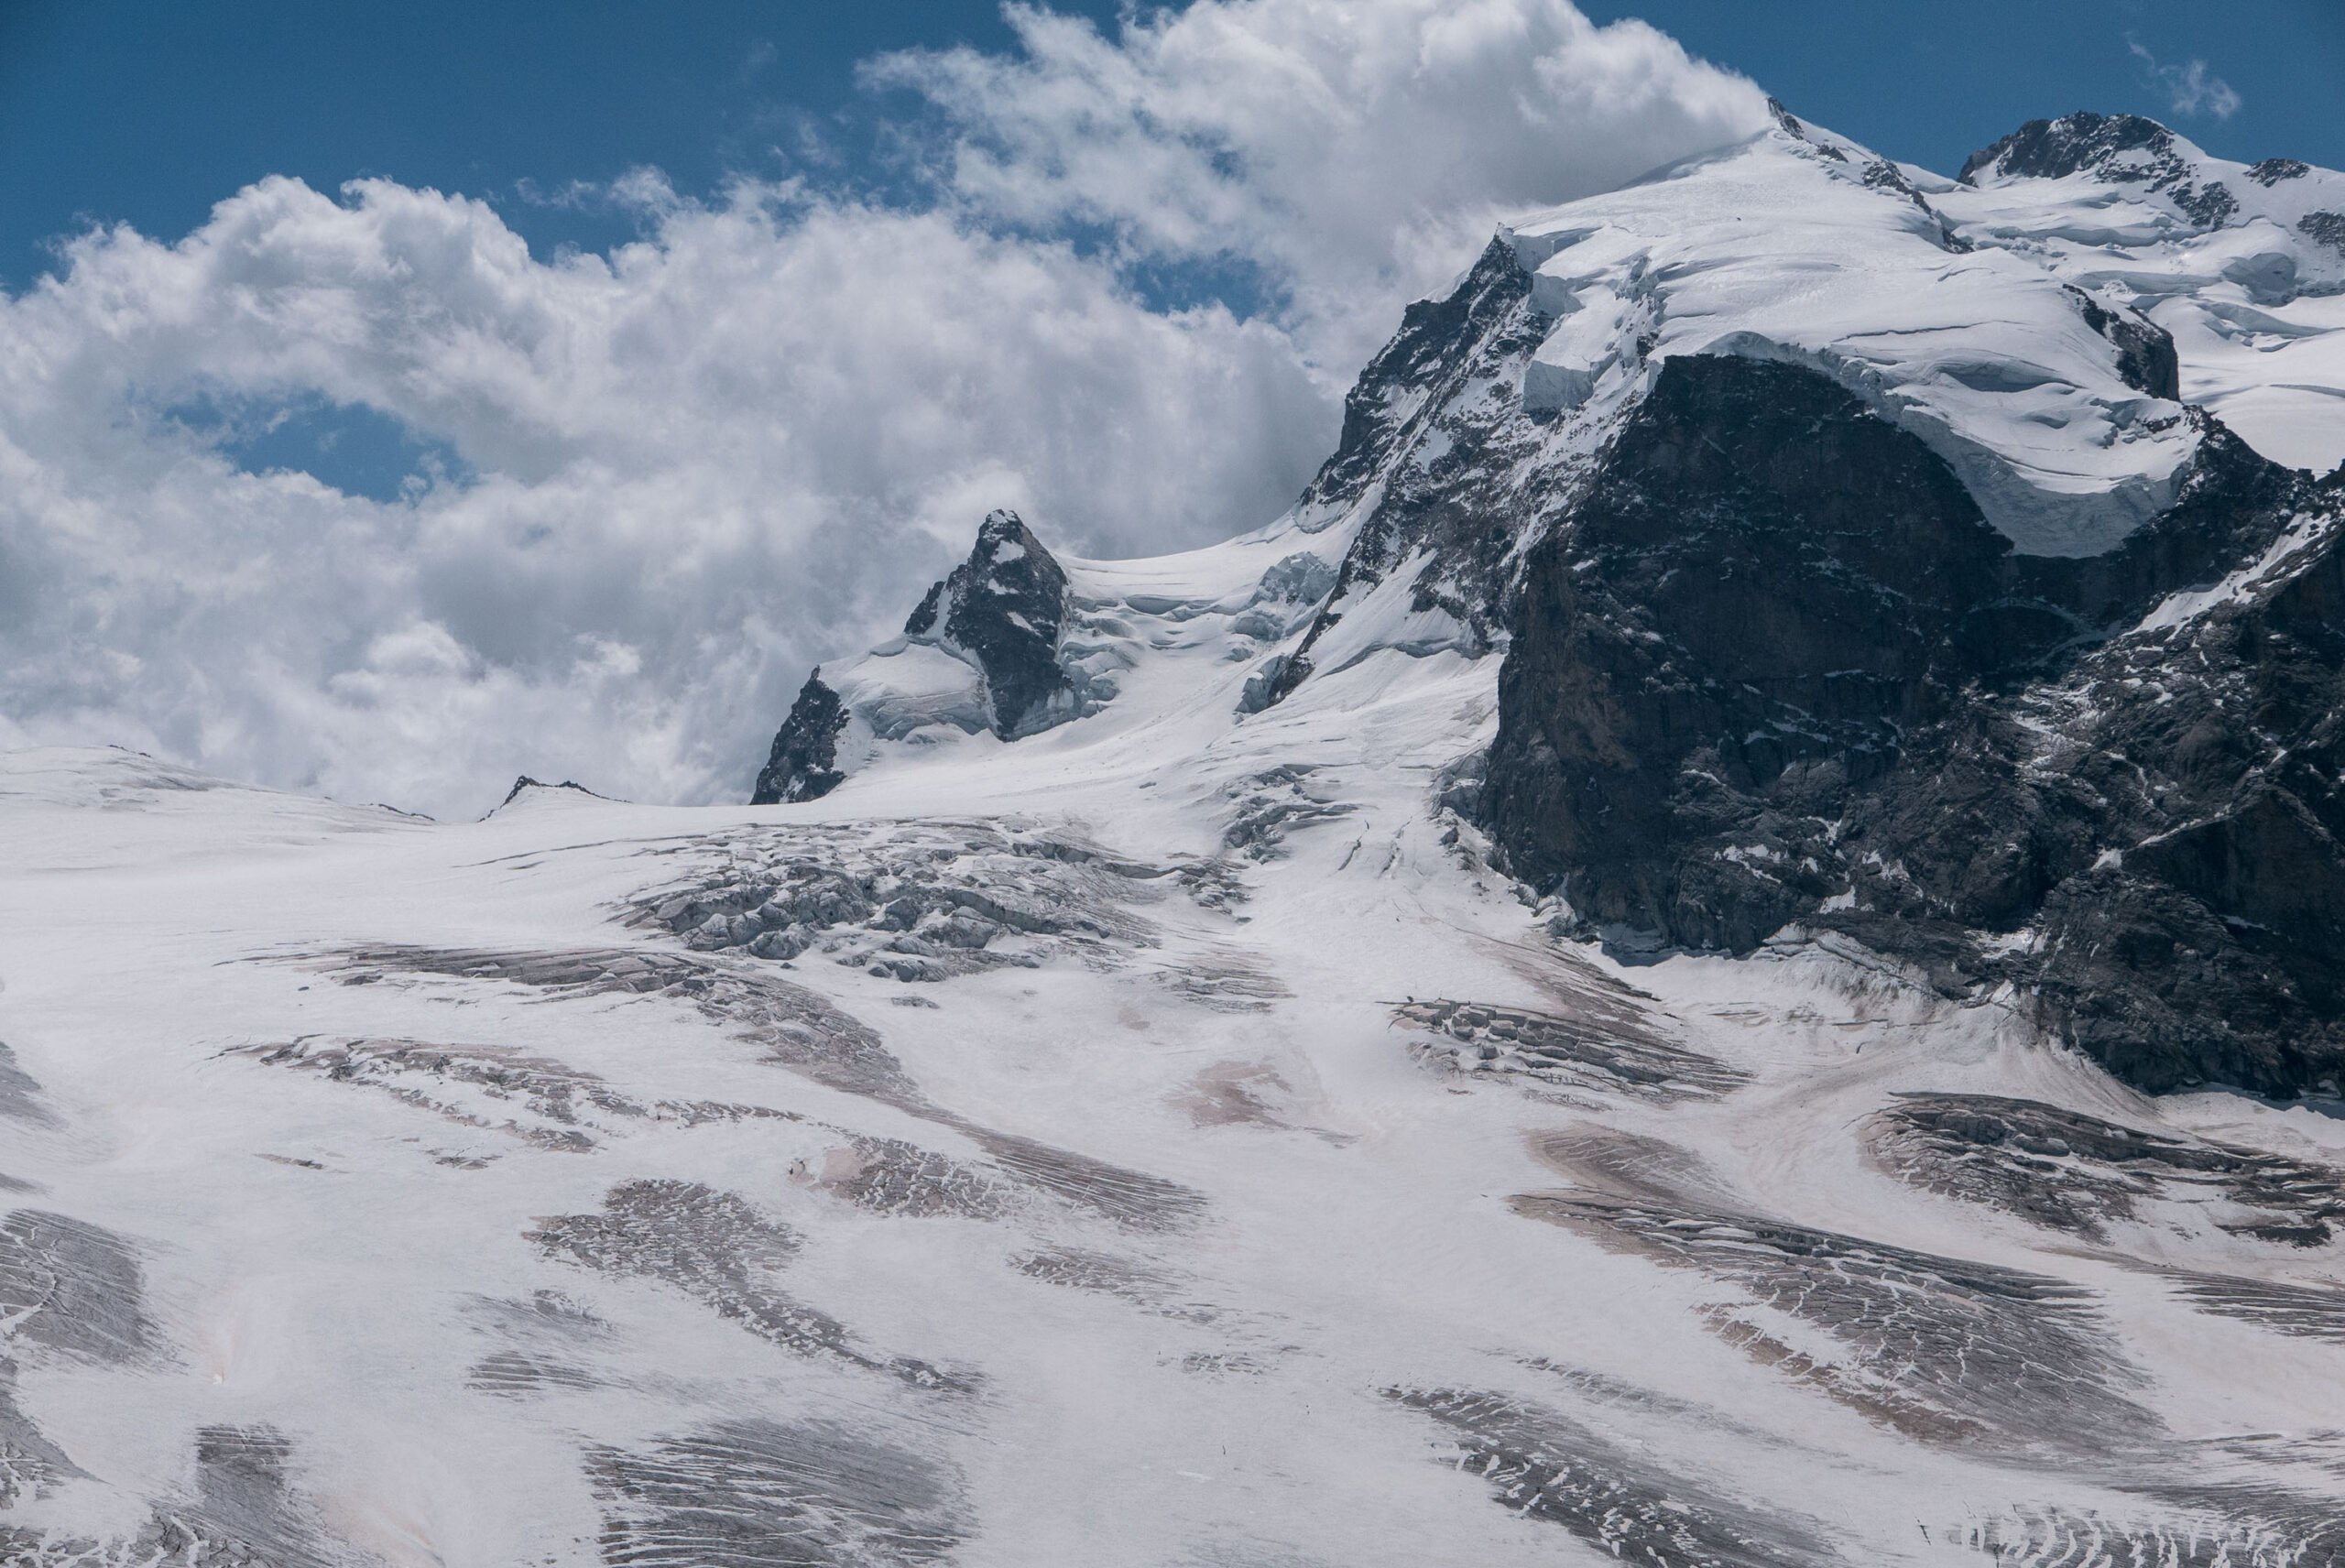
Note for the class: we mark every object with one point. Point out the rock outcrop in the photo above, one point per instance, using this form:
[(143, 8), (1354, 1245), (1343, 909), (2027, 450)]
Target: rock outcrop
[(1775, 671), (804, 762), (1434, 470), (2122, 149), (1003, 610), (986, 644)]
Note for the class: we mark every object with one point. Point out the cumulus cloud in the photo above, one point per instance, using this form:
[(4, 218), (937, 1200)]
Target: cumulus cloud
[(2191, 88), (702, 464), (653, 486), (1353, 155)]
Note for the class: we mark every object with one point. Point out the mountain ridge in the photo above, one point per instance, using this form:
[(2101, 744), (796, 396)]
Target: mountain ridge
[(1475, 444)]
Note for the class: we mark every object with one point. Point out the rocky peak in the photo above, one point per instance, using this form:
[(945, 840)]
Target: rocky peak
[(1774, 675), (803, 765), (2273, 170), (2121, 149), (1424, 461), (1003, 609), (1878, 173), (2073, 144)]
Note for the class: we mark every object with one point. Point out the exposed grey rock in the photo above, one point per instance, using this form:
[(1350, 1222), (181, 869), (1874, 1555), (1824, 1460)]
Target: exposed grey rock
[(889, 1176), (1152, 1290), (797, 1027), (963, 901), (2070, 1171), (1003, 609), (1609, 1049), (1941, 1349), (1749, 603), (20, 1095), (525, 782), (69, 1286), (245, 1512), (2120, 148), (716, 1248), (541, 1102), (1621, 1501), (2145, 356), (30, 1464), (248, 1499), (2204, 1526), (517, 1375), (2306, 1312), (803, 763), (2328, 228), (1774, 667), (1463, 506), (1131, 1198), (798, 1030)]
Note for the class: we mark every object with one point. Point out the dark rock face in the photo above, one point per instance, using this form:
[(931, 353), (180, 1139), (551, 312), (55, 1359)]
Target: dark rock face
[(1004, 608), (1751, 604), (2328, 228), (525, 782), (2145, 358), (2053, 149), (805, 751), (2122, 149), (1775, 668)]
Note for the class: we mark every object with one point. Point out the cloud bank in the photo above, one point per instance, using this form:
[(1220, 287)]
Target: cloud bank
[(650, 488)]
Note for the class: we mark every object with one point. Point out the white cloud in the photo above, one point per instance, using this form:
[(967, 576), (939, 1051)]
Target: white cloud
[(2190, 89), (1356, 154), (699, 465), (704, 464)]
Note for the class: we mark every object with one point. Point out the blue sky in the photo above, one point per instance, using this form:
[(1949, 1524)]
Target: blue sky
[(150, 111), (1932, 83)]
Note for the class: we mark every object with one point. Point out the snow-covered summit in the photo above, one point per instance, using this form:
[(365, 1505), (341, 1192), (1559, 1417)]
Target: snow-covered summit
[(1802, 245), (2243, 264)]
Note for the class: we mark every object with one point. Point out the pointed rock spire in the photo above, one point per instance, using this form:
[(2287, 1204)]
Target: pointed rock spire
[(1003, 609), (803, 766)]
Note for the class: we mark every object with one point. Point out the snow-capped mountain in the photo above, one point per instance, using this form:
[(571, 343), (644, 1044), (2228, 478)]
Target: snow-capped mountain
[(2243, 264), (1666, 970)]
